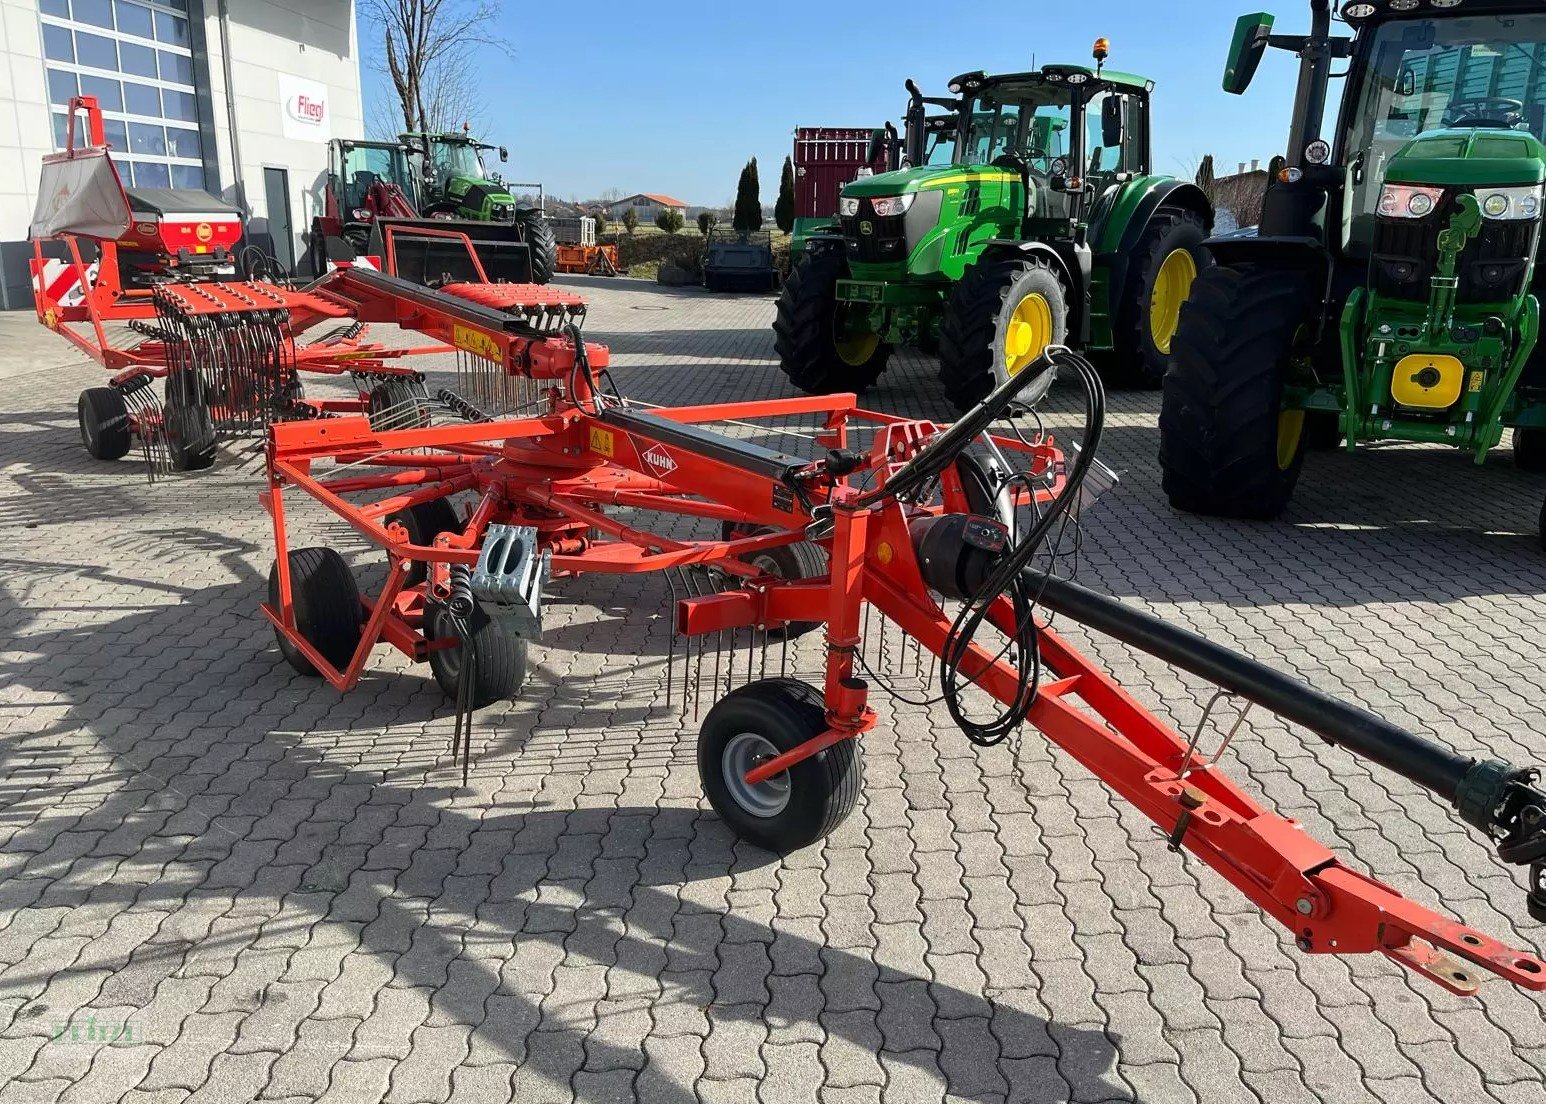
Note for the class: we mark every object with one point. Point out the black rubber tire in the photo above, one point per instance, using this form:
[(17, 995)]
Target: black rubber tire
[(1219, 417), (541, 243), (790, 561), (1322, 430), (326, 600), (387, 406), (802, 330), (188, 428), (1541, 527), (971, 333), (104, 422), (501, 660), (822, 790), (1138, 361), (425, 521), (316, 250), (1529, 449)]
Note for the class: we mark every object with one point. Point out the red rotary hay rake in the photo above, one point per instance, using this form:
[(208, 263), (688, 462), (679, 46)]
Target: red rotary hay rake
[(914, 528), (147, 289)]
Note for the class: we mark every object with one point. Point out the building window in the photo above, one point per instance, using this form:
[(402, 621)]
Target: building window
[(136, 57)]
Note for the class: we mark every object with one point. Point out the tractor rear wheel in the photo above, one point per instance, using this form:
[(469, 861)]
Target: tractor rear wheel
[(758, 722), (499, 667), (425, 521), (1163, 266), (1228, 446), (1529, 449), (104, 421), (823, 346), (541, 243), (326, 601), (1000, 317)]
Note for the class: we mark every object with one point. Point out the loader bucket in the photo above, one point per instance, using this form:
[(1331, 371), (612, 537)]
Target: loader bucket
[(438, 255)]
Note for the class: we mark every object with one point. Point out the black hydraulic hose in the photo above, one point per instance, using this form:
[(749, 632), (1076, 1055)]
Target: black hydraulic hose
[(1430, 765)]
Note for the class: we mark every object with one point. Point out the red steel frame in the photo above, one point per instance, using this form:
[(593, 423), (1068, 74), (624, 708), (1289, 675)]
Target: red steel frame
[(559, 470)]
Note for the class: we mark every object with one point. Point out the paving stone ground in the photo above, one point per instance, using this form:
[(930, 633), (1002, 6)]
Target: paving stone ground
[(220, 881)]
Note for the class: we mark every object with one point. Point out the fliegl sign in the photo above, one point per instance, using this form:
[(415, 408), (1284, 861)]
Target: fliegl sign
[(304, 108)]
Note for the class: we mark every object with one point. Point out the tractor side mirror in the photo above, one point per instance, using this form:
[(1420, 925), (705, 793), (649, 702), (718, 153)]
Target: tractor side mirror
[(504, 154), (877, 143), (1112, 128), (1245, 52), (1406, 83)]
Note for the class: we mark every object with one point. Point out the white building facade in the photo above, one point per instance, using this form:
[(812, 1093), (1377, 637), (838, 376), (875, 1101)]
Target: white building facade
[(236, 97)]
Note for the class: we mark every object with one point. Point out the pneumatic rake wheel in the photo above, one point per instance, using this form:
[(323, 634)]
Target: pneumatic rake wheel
[(824, 346), (397, 404), (425, 521), (1162, 268), (1001, 316), (789, 561), (104, 422), (186, 424), (800, 806), (326, 600), (500, 665), (1228, 445)]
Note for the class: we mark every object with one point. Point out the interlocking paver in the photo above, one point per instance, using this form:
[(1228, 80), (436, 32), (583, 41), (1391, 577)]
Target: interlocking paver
[(286, 895)]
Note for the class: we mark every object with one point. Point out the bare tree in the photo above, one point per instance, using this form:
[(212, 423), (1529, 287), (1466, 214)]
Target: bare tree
[(429, 48)]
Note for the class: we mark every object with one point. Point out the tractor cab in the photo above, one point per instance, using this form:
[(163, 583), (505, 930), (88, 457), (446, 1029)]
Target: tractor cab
[(358, 167), (1420, 212), (456, 183)]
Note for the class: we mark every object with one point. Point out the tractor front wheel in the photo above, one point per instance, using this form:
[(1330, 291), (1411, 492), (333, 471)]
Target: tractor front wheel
[(1000, 317), (1228, 445), (799, 806), (824, 346), (541, 243), (1164, 265), (1529, 449), (104, 421)]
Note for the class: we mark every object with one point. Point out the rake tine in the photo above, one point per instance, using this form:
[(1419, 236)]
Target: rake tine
[(670, 637)]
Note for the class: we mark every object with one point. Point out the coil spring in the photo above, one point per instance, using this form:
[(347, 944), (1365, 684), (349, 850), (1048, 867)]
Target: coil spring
[(461, 407), (461, 603)]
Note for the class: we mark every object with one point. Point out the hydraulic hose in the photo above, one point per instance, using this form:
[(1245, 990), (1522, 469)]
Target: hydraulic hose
[(1430, 765)]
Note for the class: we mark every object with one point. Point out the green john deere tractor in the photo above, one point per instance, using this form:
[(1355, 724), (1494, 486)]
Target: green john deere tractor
[(1036, 221), (1389, 292), (456, 185)]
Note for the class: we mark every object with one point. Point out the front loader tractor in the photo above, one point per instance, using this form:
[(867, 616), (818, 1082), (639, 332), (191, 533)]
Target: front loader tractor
[(1390, 292), (1032, 220)]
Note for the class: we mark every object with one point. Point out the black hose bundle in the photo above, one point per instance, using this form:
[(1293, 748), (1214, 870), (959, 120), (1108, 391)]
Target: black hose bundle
[(1007, 577)]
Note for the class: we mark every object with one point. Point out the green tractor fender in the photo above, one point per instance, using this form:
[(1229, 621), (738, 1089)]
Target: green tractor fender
[(1073, 263), (1120, 224)]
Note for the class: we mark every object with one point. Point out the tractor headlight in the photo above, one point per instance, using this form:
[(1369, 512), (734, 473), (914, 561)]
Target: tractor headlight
[(847, 205), (1510, 204), (1406, 201), (361, 214), (886, 206)]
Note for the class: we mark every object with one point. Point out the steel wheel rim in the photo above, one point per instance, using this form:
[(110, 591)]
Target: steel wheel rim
[(1172, 286), (1028, 333), (745, 752), (856, 349)]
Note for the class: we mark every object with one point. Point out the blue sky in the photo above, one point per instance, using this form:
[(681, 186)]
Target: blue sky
[(673, 97)]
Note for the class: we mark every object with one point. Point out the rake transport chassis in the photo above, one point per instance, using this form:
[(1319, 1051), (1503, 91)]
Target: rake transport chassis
[(901, 522)]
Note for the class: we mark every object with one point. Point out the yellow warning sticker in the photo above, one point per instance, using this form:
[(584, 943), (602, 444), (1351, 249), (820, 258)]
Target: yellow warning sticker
[(1476, 381), (602, 442), (475, 341)]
